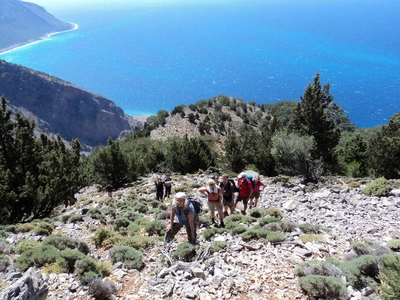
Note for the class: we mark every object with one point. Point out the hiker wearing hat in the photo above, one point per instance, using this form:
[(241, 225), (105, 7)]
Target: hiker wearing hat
[(182, 214), (214, 196), (245, 191)]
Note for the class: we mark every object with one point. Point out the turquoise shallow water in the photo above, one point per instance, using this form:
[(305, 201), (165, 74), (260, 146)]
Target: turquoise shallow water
[(147, 58)]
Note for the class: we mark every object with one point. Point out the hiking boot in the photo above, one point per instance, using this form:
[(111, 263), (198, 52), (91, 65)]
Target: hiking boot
[(243, 212), (213, 221), (222, 224), (226, 214)]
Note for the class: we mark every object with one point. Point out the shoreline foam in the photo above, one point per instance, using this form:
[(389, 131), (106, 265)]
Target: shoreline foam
[(43, 38)]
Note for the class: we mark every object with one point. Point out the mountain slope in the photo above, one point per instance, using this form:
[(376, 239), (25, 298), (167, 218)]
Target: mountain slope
[(60, 107), (24, 22)]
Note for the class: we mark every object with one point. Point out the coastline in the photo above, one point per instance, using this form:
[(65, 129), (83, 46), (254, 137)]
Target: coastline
[(19, 46)]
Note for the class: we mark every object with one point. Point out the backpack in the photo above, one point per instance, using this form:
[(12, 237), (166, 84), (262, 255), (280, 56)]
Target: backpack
[(250, 178), (232, 182), (197, 204)]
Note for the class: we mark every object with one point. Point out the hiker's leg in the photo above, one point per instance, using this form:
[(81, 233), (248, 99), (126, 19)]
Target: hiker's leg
[(211, 207), (245, 201), (189, 232), (220, 213), (171, 233)]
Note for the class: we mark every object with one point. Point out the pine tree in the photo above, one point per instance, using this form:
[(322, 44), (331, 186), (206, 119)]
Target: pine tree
[(309, 119)]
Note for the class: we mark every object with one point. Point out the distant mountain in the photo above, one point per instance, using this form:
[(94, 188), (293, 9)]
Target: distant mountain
[(59, 107), (24, 22)]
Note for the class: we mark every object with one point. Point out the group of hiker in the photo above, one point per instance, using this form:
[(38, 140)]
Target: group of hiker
[(167, 183), (222, 196)]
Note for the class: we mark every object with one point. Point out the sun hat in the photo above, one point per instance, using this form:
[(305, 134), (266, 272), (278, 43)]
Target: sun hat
[(241, 175), (180, 195)]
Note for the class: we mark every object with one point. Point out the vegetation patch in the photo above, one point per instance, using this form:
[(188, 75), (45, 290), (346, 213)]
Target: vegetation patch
[(185, 252), (130, 257), (380, 188)]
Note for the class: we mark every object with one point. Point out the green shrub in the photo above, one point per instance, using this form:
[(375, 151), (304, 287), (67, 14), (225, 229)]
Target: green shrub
[(11, 228), (137, 242), (5, 247), (164, 215), (254, 233), (275, 237), (55, 268), (75, 218), (132, 258), (24, 245), (210, 232), (326, 287), (121, 224), (95, 213), (309, 228), (316, 267), (105, 268), (4, 263), (255, 213), (141, 207), (38, 257), (185, 252), (100, 236), (389, 276), (235, 228), (62, 242), (362, 271), (288, 226), (40, 231), (268, 220), (361, 248), (79, 263), (102, 290), (380, 187), (393, 244), (46, 226), (138, 226), (273, 212), (27, 227), (156, 227)]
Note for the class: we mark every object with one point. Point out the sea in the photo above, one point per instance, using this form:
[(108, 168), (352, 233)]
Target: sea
[(148, 56)]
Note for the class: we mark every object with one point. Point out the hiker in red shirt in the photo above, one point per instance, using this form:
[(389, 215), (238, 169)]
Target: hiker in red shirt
[(214, 195), (258, 187), (245, 191)]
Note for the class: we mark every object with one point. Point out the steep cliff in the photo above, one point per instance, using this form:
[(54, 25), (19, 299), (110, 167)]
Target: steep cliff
[(24, 22), (62, 107)]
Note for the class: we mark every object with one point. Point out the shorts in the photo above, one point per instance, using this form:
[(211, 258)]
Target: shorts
[(227, 201), (244, 198), (215, 206), (255, 195)]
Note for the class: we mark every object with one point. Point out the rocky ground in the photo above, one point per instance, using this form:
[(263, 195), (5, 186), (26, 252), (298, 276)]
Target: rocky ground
[(244, 269)]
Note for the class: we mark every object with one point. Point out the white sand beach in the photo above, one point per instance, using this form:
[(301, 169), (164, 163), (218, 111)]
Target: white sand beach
[(18, 46)]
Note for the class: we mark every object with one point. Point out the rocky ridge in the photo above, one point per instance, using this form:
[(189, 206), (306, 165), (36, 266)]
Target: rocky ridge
[(244, 269)]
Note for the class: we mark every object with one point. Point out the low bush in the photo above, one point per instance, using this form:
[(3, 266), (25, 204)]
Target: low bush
[(253, 233), (165, 215), (267, 220), (102, 290), (80, 264), (4, 263), (26, 227), (138, 242), (389, 276), (141, 207), (380, 188), (75, 218), (316, 267), (156, 227), (325, 287), (62, 242), (38, 257), (121, 224), (393, 244), (105, 268), (255, 213), (361, 248), (101, 235), (54, 268), (362, 271), (235, 228), (132, 258), (185, 252), (5, 247), (275, 237), (309, 228), (288, 226), (273, 212), (217, 246), (24, 245)]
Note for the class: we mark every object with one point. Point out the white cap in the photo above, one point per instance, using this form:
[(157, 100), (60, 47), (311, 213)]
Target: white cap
[(180, 195), (241, 175)]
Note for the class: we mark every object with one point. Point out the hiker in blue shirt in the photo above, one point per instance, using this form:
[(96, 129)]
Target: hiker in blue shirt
[(182, 214)]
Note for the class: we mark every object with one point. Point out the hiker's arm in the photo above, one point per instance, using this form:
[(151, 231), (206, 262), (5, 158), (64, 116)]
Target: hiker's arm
[(192, 228), (220, 195), (202, 190), (171, 219), (251, 189)]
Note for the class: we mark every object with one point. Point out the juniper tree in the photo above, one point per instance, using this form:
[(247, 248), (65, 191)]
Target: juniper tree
[(309, 119)]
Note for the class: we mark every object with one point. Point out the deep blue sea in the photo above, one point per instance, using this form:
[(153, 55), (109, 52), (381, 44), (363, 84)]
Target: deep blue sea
[(151, 57)]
